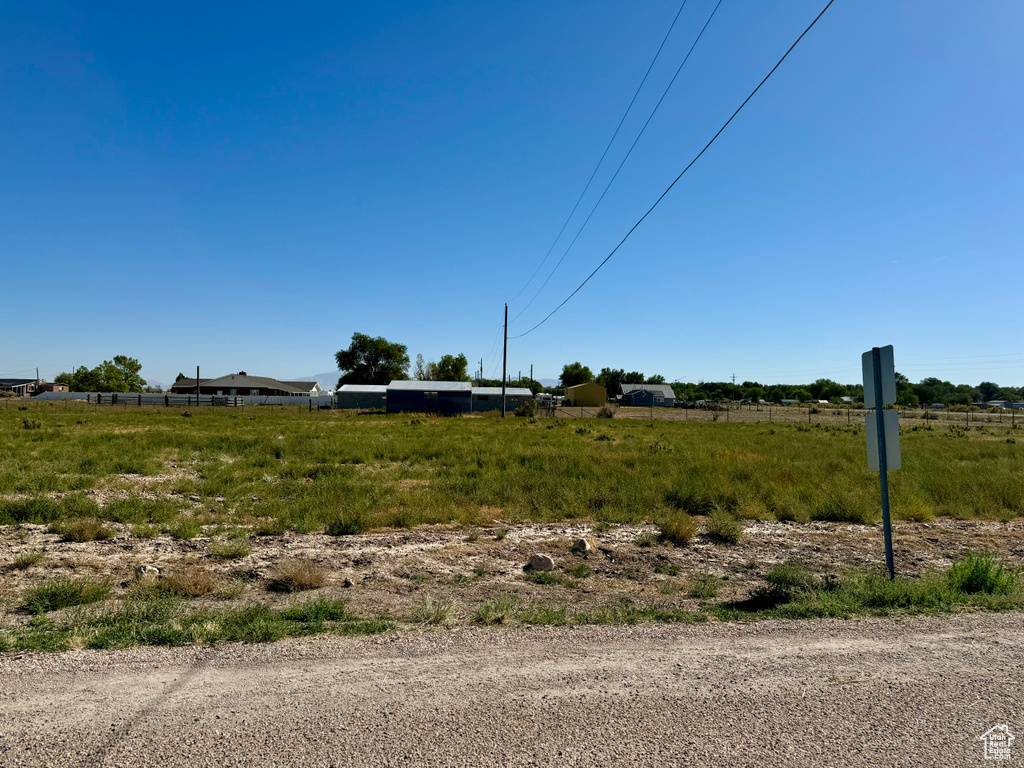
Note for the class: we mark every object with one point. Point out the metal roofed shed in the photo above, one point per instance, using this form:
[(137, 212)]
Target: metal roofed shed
[(658, 395), (489, 398), (444, 397), (361, 396), (589, 394)]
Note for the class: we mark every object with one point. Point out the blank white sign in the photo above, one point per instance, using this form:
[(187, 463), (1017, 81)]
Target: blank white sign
[(891, 425), (888, 377)]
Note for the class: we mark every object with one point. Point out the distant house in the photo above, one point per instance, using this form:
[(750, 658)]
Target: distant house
[(23, 387), (659, 395), (362, 396), (588, 394), (445, 397), (242, 383), (847, 400), (789, 402), (52, 386), (489, 398)]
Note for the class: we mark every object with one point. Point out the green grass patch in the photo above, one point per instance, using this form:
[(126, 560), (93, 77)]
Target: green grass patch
[(279, 470), (64, 592), (160, 619)]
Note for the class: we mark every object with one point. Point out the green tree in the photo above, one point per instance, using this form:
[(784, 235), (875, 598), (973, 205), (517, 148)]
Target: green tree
[(575, 373), (802, 395), (610, 378), (988, 390), (633, 377), (450, 368), (372, 360), (656, 379), (118, 375), (826, 389)]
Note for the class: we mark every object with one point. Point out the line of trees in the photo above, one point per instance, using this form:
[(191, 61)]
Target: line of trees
[(375, 360), (118, 375), (926, 392)]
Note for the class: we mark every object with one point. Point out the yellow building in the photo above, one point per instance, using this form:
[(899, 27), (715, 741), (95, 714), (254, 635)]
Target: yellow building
[(586, 394)]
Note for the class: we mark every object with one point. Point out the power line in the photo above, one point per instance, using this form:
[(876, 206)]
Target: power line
[(603, 154), (624, 159), (681, 174)]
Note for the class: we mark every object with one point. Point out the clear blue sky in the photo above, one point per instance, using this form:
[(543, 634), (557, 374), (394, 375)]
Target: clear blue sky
[(243, 186)]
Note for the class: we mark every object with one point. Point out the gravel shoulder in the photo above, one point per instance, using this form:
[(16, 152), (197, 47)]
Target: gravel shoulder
[(868, 692)]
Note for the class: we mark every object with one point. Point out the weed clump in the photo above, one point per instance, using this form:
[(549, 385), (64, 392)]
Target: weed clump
[(27, 559), (64, 592), (724, 528), (431, 611), (347, 524), (606, 411), (83, 529), (296, 576), (702, 586), (982, 573), (233, 549), (678, 528), (496, 611)]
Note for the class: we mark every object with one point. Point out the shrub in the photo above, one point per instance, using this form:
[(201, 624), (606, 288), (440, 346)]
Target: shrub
[(982, 572), (82, 529), (296, 576), (527, 409), (188, 582), (646, 539), (678, 528), (606, 411), (27, 423), (64, 592), (346, 524), (724, 527)]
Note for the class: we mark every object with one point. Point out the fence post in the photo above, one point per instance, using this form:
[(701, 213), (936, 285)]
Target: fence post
[(808, 414)]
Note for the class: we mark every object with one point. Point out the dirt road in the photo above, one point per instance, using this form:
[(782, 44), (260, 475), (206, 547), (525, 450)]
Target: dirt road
[(826, 693)]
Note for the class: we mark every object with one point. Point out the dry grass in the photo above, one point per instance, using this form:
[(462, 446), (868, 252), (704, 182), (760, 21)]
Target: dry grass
[(678, 528), (189, 582), (296, 576), (83, 529)]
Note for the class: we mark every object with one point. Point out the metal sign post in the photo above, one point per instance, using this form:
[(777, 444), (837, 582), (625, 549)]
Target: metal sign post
[(879, 391)]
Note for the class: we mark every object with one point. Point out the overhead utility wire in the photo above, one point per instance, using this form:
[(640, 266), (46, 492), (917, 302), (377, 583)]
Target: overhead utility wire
[(603, 154), (681, 174), (624, 159)]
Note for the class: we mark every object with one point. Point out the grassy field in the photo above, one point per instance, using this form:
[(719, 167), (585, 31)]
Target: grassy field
[(165, 471)]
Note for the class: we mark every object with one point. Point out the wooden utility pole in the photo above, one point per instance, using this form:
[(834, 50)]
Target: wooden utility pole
[(197, 386), (504, 364)]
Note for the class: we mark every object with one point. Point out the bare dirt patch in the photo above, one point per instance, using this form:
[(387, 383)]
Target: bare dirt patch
[(394, 572)]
